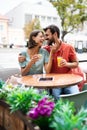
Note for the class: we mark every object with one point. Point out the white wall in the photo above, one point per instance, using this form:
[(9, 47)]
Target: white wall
[(17, 15), (16, 37)]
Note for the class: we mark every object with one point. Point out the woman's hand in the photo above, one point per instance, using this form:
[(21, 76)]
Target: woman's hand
[(35, 58)]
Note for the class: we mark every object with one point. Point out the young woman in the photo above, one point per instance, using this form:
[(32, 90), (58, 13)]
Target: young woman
[(35, 57)]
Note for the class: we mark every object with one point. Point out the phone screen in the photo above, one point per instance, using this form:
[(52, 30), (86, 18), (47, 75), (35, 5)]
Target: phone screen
[(46, 79)]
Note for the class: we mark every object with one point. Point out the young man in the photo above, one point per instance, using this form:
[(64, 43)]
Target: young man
[(56, 48)]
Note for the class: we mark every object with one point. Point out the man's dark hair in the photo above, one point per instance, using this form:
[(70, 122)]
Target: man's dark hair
[(53, 29)]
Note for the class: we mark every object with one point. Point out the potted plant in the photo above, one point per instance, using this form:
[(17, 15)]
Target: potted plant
[(43, 110)]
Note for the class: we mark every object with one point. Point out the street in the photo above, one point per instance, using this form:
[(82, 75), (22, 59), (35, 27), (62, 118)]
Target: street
[(9, 57)]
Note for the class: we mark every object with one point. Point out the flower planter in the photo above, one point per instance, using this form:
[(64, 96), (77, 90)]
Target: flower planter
[(13, 121), (29, 107)]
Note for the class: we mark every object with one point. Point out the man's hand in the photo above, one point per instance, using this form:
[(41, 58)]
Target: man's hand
[(53, 48), (21, 58), (63, 63)]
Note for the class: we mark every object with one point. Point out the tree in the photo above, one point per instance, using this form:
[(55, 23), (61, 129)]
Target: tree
[(34, 24), (73, 14)]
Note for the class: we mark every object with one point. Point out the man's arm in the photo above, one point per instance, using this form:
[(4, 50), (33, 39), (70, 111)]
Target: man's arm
[(21, 58)]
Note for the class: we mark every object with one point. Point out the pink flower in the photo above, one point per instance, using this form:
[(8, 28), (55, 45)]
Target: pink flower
[(33, 113), (44, 108)]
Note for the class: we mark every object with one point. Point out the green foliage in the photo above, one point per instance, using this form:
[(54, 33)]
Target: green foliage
[(3, 94), (65, 118), (72, 14), (1, 83), (4, 90), (34, 24), (23, 98), (43, 123)]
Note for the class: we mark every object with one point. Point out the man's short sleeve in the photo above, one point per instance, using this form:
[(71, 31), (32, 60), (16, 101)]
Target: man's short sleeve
[(72, 54)]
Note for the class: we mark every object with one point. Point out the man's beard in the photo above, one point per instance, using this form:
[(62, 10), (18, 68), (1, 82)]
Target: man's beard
[(50, 42)]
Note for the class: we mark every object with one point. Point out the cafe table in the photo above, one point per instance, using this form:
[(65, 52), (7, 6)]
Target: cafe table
[(45, 81)]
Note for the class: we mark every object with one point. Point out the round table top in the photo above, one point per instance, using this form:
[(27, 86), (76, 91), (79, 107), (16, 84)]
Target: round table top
[(50, 80)]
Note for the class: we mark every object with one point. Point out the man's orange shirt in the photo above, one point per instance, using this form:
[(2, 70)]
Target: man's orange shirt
[(67, 52)]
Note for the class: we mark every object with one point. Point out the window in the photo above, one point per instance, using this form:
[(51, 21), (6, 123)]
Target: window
[(1, 27), (28, 18), (48, 19), (43, 18), (36, 16), (54, 19)]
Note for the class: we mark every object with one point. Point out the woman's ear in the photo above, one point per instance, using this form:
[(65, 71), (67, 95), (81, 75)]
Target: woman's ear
[(33, 38)]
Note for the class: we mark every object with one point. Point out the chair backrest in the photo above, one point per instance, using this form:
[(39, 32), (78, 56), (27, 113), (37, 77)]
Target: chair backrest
[(85, 87), (79, 99), (5, 73)]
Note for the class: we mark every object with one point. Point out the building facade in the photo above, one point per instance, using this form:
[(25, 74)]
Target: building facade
[(29, 10), (12, 24), (3, 30), (22, 14)]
